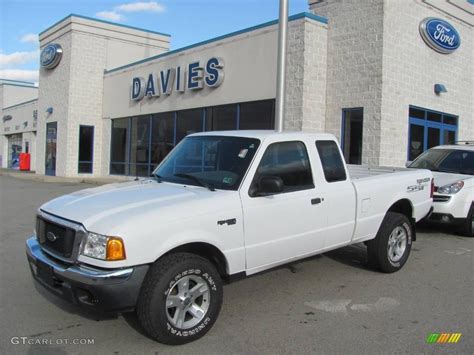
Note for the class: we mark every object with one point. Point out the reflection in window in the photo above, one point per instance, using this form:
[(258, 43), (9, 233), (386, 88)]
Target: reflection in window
[(188, 122), (139, 145), (331, 161), (257, 115), (288, 161), (162, 137), (221, 118)]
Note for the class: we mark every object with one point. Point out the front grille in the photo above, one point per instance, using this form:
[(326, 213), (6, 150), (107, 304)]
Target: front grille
[(439, 198), (55, 238)]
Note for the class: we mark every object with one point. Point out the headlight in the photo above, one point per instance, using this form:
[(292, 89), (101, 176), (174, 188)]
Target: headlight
[(102, 247), (451, 189)]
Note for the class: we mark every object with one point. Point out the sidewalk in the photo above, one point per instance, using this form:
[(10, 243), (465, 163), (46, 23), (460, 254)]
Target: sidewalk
[(30, 175)]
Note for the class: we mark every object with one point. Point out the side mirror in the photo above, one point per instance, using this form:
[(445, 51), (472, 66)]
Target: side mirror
[(269, 185), (407, 164)]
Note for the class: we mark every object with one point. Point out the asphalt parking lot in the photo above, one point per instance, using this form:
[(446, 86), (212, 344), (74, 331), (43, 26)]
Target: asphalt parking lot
[(326, 304)]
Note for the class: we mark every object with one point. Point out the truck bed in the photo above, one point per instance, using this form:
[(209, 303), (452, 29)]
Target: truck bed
[(357, 172)]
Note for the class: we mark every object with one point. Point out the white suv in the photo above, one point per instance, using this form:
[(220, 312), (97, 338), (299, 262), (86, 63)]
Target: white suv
[(453, 171)]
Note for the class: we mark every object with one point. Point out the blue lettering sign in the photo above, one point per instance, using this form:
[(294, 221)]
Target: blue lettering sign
[(167, 81), (150, 90), (138, 89), (214, 72), (195, 76), (180, 79), (440, 35)]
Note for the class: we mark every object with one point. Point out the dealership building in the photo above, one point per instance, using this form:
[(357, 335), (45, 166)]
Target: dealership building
[(389, 78)]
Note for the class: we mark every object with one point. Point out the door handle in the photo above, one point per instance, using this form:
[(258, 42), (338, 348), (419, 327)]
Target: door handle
[(316, 201)]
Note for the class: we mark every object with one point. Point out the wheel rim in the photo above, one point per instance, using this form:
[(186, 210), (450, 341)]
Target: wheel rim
[(397, 244), (187, 302)]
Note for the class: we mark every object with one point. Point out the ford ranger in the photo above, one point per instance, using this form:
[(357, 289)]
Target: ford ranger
[(221, 205)]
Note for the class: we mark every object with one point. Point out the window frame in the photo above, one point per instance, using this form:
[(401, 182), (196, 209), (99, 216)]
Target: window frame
[(310, 168), (91, 162)]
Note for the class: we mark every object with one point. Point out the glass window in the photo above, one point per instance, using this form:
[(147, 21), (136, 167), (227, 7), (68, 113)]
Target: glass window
[(188, 122), (219, 162), (162, 136), (288, 161), (86, 149), (139, 145), (433, 137), (417, 134), (433, 116), (416, 113), (257, 115), (119, 145), (221, 118), (446, 160), (331, 161), (452, 120), (449, 137), (352, 135)]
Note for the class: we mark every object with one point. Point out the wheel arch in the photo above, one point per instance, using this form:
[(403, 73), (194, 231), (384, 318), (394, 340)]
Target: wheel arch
[(207, 251), (404, 207)]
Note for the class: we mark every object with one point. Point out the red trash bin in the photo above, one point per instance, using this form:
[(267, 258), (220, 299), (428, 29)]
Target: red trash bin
[(25, 161)]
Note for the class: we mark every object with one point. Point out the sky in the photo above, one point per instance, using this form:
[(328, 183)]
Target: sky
[(187, 21)]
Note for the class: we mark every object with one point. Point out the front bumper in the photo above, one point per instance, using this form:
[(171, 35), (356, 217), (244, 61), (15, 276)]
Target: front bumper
[(107, 290)]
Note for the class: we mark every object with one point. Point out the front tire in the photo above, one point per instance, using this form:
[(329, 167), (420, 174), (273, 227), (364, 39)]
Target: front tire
[(468, 227), (390, 249), (180, 299)]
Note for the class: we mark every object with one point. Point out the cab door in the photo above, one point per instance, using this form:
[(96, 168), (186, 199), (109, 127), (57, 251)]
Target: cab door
[(287, 224)]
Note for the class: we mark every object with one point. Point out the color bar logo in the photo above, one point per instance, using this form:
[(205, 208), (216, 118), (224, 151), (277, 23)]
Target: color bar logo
[(443, 338)]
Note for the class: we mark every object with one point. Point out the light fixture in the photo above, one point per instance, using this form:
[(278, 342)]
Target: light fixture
[(439, 88), (49, 110)]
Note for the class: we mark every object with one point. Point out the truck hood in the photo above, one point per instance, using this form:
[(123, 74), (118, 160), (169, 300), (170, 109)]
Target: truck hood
[(115, 202), (441, 179)]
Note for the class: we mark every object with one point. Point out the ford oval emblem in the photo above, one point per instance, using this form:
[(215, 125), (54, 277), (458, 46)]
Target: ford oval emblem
[(51, 56), (440, 35), (51, 236)]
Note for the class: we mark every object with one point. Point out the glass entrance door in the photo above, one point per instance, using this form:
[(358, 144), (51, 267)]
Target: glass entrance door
[(51, 138)]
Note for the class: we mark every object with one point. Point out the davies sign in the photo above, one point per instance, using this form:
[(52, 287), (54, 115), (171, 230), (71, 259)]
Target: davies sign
[(440, 35), (191, 77)]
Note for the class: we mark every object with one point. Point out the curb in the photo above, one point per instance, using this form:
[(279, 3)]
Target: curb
[(63, 180)]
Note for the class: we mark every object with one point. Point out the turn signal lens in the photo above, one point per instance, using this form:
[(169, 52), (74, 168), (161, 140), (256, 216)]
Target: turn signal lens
[(115, 249)]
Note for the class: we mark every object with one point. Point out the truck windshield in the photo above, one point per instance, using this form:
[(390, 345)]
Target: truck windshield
[(214, 162), (446, 161)]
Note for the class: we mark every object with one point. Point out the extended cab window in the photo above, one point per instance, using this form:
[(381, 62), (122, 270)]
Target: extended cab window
[(331, 160), (288, 161)]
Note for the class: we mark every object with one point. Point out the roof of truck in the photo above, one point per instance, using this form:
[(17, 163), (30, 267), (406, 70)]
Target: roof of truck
[(263, 134)]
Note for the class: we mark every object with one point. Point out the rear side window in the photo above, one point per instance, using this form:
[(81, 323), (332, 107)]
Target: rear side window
[(331, 160), (289, 161)]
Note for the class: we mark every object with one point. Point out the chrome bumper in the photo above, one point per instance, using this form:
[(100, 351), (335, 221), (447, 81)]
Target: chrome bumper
[(106, 290)]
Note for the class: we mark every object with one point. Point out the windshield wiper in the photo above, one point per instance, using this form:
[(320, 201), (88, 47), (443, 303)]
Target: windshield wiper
[(196, 179), (157, 177)]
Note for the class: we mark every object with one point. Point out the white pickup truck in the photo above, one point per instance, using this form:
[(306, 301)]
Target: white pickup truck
[(220, 206)]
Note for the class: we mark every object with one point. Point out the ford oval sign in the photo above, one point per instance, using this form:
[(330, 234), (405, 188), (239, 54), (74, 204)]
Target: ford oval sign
[(440, 35), (51, 56)]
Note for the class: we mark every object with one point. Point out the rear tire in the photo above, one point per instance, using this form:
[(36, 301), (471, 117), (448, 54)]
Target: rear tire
[(390, 249), (180, 299), (468, 227)]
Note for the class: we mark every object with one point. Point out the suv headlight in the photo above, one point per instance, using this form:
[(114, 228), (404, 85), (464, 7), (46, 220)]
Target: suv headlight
[(451, 189), (103, 247)]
